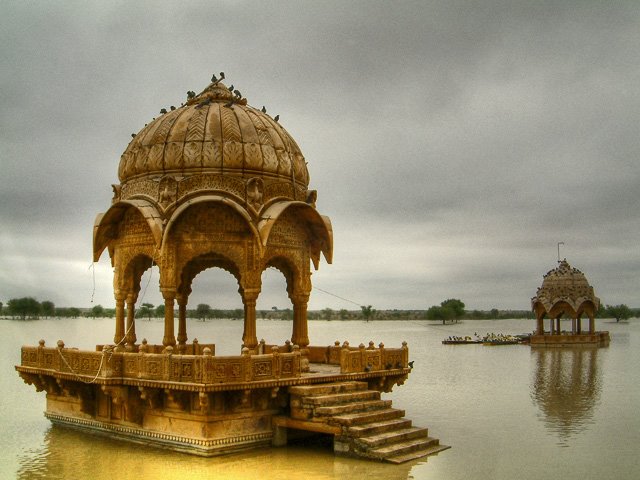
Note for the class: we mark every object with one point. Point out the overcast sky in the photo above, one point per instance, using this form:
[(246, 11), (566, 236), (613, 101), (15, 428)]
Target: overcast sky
[(452, 144)]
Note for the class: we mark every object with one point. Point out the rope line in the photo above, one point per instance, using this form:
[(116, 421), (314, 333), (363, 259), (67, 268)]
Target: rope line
[(92, 267), (110, 350), (338, 296)]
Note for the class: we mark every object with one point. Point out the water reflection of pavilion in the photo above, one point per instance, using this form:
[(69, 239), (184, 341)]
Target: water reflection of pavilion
[(566, 387), (66, 453)]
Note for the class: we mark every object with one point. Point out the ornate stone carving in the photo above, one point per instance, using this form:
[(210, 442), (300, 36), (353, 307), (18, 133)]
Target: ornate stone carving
[(167, 191), (255, 187)]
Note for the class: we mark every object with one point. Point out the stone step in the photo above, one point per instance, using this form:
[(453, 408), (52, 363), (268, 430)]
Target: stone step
[(402, 448), (393, 437), (327, 388), (369, 429), (416, 454), (332, 410), (360, 418), (340, 398)]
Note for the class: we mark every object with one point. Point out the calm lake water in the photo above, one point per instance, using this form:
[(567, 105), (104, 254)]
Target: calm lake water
[(507, 411)]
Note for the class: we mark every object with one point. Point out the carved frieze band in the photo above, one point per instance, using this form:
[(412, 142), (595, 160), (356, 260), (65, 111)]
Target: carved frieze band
[(159, 436), (167, 190)]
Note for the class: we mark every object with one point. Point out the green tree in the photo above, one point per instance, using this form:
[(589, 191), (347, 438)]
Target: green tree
[(23, 307), (327, 314), (1, 308), (146, 310), (97, 311), (344, 314), (619, 312), (203, 310), (75, 312), (160, 311), (450, 309), (47, 308), (367, 312)]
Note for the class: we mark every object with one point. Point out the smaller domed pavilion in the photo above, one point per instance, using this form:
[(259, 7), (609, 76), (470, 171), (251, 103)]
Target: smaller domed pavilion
[(565, 292)]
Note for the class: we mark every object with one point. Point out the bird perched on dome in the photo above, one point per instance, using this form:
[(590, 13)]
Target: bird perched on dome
[(215, 79)]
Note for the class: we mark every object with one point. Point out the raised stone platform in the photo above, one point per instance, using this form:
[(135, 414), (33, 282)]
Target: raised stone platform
[(207, 405), (597, 339)]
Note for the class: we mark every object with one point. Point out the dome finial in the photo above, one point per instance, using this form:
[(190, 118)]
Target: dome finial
[(559, 243)]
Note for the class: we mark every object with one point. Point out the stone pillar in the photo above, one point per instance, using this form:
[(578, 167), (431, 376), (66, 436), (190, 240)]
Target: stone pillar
[(573, 325), (300, 334), (130, 335), (119, 336), (539, 326), (182, 321), (592, 325), (579, 329), (249, 336), (552, 328), (169, 337)]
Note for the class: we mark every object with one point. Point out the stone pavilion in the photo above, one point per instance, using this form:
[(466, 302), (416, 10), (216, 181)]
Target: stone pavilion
[(218, 183), (566, 293)]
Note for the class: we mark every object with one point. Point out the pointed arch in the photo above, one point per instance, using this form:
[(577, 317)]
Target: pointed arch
[(210, 199), (321, 238), (106, 224)]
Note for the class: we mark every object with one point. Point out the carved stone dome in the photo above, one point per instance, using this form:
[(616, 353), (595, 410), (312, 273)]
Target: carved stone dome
[(565, 284), (217, 133)]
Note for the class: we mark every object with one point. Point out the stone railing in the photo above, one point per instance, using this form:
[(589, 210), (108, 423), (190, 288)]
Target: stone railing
[(361, 358), (372, 359), (168, 366), (194, 348)]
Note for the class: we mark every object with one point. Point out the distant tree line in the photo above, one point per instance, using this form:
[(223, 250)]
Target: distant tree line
[(450, 310)]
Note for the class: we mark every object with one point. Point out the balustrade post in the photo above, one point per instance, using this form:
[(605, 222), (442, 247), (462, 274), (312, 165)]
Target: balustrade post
[(405, 355), (344, 358)]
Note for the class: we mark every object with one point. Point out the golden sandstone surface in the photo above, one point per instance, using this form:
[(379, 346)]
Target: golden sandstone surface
[(218, 183)]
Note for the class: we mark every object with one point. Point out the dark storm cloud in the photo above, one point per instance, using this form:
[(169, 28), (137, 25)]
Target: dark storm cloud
[(453, 144)]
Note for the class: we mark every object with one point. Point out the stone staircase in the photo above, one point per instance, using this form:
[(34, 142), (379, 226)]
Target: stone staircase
[(363, 424)]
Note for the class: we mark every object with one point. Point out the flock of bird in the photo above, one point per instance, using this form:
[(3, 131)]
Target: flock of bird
[(214, 80)]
